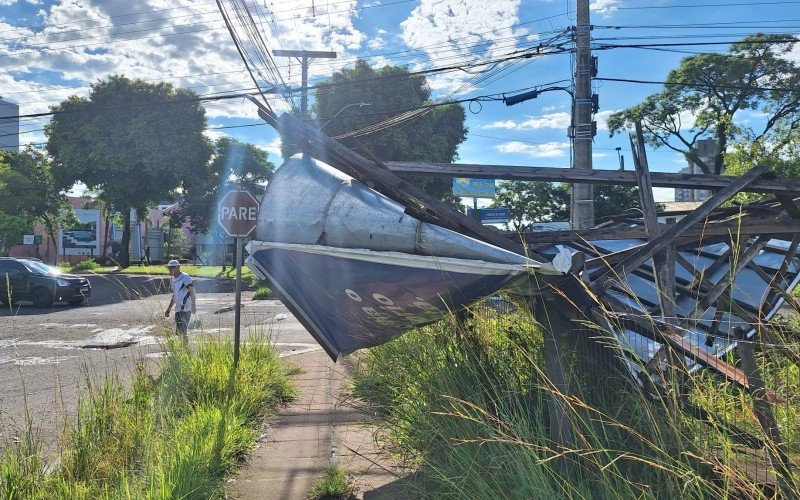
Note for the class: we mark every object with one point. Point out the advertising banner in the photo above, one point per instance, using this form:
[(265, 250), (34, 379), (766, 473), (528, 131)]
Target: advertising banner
[(83, 239), (475, 188)]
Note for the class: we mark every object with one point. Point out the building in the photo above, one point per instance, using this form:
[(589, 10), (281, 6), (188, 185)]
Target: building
[(707, 150), (9, 125)]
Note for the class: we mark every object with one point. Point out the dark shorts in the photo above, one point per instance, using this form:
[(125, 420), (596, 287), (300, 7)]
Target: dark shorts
[(182, 321)]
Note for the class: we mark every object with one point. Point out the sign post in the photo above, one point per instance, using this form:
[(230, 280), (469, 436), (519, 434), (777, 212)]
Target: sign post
[(238, 213)]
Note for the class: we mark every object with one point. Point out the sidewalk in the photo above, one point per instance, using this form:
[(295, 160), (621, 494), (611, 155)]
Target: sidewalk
[(312, 432)]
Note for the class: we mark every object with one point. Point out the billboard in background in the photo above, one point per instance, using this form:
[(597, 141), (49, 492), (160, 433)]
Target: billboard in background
[(83, 239), (475, 188)]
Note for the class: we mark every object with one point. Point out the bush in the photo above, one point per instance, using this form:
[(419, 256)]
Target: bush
[(85, 265)]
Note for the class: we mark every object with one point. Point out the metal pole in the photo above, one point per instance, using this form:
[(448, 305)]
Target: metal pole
[(238, 313), (304, 95), (582, 209)]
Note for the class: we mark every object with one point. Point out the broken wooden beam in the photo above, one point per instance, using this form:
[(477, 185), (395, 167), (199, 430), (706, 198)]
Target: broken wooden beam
[(522, 173), (646, 251)]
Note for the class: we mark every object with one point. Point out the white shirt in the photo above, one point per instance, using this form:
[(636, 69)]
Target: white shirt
[(181, 284)]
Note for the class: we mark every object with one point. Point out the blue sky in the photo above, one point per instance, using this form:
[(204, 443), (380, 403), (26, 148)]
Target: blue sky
[(50, 50)]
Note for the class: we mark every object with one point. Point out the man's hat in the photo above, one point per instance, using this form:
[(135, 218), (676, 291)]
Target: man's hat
[(173, 263)]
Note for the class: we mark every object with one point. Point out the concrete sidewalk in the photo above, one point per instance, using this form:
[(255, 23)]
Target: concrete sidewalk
[(317, 429)]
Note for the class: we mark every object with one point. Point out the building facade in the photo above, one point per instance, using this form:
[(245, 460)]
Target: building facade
[(707, 150), (9, 125)]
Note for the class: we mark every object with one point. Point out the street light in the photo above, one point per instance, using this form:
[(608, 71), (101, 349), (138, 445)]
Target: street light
[(359, 104), (620, 158)]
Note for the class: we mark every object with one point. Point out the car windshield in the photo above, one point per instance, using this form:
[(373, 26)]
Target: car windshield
[(44, 269)]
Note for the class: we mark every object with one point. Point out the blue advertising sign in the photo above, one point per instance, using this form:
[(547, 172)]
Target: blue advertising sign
[(497, 215), (475, 188)]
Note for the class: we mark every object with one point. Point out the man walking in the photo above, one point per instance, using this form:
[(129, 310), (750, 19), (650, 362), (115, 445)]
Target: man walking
[(182, 291)]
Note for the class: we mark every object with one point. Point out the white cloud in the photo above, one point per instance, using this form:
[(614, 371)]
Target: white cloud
[(191, 50), (461, 30), (7, 2), (605, 6), (558, 120), (546, 150), (273, 148), (376, 43)]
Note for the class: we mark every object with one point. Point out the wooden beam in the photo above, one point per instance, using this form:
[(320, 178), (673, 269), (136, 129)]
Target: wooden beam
[(625, 178), (666, 334), (664, 259), (703, 232), (762, 407), (555, 327), (726, 281), (647, 250)]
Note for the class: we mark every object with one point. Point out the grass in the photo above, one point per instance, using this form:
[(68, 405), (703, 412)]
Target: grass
[(336, 484), (262, 292), (467, 403), (175, 435), (190, 269)]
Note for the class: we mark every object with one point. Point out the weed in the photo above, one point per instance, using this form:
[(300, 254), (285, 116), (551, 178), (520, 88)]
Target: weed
[(335, 485)]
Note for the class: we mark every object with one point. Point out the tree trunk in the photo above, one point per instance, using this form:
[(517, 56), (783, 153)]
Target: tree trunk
[(105, 235), (124, 252)]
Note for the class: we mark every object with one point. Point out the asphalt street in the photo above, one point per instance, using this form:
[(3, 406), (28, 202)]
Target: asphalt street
[(48, 357)]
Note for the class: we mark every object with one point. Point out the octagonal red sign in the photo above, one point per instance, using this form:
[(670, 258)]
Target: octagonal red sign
[(238, 213)]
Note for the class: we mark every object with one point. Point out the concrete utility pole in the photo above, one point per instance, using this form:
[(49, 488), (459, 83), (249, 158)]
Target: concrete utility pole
[(305, 57), (582, 205)]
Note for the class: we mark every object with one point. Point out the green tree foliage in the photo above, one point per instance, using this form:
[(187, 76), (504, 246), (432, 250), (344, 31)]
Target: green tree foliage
[(712, 89), (744, 156), (30, 195), (133, 141), (609, 200), (531, 201), (233, 164), (433, 137)]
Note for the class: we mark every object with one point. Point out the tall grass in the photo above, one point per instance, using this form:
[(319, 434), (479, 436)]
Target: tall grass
[(467, 402), (175, 435)]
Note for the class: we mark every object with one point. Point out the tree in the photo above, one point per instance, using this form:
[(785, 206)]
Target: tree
[(531, 201), (433, 137), (745, 156), (135, 142), (233, 164), (609, 200), (711, 89), (30, 194)]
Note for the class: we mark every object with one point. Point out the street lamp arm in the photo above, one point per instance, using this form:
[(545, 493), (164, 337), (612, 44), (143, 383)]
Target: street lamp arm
[(359, 104)]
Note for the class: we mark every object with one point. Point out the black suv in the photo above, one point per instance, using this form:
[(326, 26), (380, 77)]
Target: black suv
[(42, 284)]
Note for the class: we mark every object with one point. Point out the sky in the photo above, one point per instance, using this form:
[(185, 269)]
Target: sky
[(52, 49)]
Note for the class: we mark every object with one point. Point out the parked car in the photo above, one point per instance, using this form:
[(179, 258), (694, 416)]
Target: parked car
[(41, 284)]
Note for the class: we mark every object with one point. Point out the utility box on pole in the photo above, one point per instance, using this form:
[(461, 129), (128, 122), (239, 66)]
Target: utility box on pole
[(582, 204)]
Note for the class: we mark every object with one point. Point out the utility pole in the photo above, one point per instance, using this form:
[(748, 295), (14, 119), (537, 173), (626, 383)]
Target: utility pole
[(305, 57), (582, 204)]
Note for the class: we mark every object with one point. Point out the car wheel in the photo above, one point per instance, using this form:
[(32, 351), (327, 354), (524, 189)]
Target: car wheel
[(42, 298), (75, 302)]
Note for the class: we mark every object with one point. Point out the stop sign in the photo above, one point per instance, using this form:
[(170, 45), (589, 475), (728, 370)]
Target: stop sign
[(238, 213)]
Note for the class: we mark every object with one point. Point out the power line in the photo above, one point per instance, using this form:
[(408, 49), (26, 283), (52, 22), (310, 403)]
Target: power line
[(702, 5), (699, 84)]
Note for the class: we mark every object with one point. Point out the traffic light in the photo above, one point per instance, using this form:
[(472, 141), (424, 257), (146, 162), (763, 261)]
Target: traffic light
[(595, 103)]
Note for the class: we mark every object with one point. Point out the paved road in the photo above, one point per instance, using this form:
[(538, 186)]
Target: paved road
[(47, 357)]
